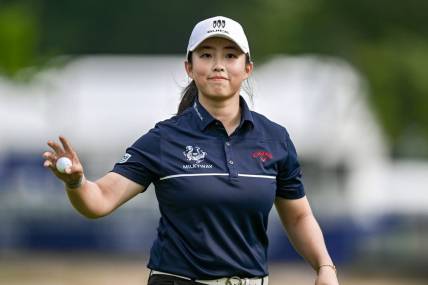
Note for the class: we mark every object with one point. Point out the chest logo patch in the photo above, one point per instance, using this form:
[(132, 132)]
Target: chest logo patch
[(195, 155), (262, 155)]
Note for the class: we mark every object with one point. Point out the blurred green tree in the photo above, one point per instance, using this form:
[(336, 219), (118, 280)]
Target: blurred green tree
[(18, 38)]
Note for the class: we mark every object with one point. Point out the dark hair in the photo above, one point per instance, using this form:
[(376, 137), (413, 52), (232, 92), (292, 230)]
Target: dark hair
[(190, 92)]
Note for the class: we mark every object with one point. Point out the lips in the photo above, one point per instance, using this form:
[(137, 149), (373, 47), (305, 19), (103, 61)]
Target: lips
[(217, 78)]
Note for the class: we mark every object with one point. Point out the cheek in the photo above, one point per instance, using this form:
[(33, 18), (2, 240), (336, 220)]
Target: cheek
[(237, 72), (200, 71), (200, 68), (200, 74)]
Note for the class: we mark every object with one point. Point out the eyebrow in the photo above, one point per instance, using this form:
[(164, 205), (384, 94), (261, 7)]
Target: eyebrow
[(226, 47)]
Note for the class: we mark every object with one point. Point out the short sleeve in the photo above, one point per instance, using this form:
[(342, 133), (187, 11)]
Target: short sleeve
[(141, 162), (289, 177)]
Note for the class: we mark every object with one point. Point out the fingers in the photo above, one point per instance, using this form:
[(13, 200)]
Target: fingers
[(47, 163), (60, 151), (50, 158), (50, 161), (69, 170), (69, 151), (72, 173), (66, 145), (56, 147), (48, 155)]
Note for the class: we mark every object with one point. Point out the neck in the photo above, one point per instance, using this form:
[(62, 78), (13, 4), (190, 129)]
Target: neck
[(226, 111)]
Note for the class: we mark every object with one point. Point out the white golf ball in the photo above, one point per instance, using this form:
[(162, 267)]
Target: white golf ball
[(63, 163)]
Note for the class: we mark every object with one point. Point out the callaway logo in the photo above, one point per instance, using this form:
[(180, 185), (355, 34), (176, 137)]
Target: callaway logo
[(262, 155), (196, 155)]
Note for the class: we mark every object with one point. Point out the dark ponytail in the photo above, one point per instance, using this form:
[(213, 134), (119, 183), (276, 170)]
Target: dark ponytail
[(188, 96), (189, 93)]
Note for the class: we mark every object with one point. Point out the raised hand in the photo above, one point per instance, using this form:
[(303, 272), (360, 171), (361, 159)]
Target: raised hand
[(73, 175)]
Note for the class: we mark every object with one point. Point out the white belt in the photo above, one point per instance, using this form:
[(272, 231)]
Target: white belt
[(234, 280)]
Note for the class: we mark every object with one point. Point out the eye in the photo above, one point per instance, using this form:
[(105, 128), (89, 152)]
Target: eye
[(205, 55), (231, 55)]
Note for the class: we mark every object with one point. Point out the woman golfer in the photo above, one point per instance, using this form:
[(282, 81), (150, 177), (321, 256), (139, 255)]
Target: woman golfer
[(217, 168)]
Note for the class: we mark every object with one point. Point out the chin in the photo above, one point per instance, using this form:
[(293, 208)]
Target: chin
[(220, 96)]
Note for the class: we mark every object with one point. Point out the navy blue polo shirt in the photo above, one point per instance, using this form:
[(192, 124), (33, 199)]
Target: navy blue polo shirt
[(214, 191)]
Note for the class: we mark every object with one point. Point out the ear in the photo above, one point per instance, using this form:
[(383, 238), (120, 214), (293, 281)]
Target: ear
[(248, 69), (189, 69)]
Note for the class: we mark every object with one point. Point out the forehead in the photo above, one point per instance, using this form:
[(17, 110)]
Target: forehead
[(218, 43)]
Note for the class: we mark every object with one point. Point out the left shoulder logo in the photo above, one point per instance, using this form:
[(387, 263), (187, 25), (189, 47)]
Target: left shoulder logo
[(124, 158)]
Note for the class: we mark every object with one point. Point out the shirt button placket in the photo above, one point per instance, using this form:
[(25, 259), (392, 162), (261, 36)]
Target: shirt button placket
[(229, 158)]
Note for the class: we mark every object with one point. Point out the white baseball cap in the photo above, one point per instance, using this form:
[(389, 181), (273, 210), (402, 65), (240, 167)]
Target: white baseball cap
[(218, 27)]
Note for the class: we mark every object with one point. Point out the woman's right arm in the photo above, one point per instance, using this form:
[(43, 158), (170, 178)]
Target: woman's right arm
[(100, 198), (91, 199)]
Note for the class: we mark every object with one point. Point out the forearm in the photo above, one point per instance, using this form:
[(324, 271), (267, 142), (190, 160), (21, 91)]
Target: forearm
[(307, 238), (91, 199), (88, 199)]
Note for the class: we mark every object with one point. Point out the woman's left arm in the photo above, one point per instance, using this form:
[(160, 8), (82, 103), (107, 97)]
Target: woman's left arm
[(306, 237)]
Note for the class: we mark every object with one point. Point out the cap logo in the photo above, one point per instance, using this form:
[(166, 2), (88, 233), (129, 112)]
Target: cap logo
[(219, 24)]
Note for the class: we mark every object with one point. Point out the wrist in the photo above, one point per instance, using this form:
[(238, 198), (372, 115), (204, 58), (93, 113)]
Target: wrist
[(329, 266), (77, 184)]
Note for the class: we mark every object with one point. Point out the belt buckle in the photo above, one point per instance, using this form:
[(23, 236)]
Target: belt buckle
[(234, 280)]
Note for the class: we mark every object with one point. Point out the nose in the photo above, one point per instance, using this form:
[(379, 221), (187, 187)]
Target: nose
[(218, 68), (218, 65)]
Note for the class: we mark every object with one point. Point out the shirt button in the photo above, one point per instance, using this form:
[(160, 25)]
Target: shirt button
[(230, 161)]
